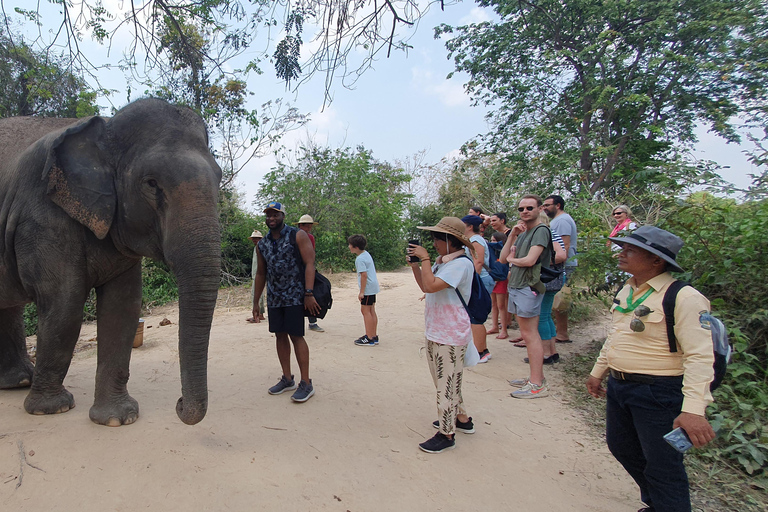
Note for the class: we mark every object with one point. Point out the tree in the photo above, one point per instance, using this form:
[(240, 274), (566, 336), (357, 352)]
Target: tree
[(341, 32), (34, 83), (597, 90), (348, 192)]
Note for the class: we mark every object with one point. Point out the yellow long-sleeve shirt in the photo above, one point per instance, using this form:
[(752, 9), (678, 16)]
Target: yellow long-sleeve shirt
[(647, 352)]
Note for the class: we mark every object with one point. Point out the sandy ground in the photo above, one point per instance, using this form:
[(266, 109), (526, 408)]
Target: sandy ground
[(352, 447)]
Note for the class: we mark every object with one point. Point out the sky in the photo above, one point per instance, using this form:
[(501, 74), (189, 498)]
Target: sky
[(402, 106)]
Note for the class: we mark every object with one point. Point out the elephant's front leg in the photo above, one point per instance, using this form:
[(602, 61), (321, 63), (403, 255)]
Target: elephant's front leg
[(118, 309)]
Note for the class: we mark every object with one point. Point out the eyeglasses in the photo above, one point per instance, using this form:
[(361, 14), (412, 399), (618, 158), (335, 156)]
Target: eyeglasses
[(547, 205), (619, 213), (522, 209)]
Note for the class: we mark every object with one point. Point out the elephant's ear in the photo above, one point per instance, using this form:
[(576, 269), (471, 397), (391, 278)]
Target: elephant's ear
[(80, 178)]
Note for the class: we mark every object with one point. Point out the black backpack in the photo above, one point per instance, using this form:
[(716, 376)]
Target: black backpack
[(322, 287), (720, 342)]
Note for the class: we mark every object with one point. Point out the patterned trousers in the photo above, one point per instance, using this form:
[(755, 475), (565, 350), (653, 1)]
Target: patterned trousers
[(446, 364)]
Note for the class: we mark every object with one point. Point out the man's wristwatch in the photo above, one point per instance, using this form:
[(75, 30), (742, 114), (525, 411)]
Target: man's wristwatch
[(308, 292)]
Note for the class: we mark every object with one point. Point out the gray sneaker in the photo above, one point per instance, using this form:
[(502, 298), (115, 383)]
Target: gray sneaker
[(316, 328), (283, 386), (304, 392), (531, 390)]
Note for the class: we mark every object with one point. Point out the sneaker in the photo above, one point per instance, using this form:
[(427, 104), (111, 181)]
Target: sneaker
[(485, 356), (531, 390), (282, 386), (439, 443), (466, 428), (365, 341), (316, 328), (304, 392), (554, 358), (518, 383)]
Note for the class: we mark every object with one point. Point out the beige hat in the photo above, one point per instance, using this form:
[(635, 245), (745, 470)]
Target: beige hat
[(451, 225), (256, 234), (306, 219)]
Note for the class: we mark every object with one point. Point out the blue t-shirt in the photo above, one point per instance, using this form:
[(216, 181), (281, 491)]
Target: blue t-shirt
[(565, 226), (364, 263)]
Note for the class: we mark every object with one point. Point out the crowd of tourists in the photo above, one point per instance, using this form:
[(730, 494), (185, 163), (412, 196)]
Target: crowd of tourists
[(656, 388)]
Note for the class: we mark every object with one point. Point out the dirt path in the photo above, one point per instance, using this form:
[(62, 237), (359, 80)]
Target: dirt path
[(352, 447)]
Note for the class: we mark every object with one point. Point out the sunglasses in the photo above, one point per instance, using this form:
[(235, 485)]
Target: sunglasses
[(522, 209), (619, 213)]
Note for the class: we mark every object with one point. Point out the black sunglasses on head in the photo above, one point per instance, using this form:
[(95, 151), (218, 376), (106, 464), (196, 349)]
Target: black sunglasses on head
[(522, 209)]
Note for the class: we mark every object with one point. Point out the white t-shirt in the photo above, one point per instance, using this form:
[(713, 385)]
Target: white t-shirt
[(487, 259), (364, 263), (445, 319), (565, 226)]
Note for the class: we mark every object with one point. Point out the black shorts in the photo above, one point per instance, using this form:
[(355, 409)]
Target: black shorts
[(368, 300), (288, 319)]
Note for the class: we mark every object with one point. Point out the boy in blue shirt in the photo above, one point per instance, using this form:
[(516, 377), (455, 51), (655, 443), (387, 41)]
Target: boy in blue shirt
[(369, 287)]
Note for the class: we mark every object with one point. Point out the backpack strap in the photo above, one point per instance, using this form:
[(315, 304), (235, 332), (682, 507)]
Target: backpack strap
[(668, 305), (616, 296)]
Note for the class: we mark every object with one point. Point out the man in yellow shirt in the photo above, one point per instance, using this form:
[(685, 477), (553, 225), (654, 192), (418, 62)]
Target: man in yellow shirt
[(650, 389)]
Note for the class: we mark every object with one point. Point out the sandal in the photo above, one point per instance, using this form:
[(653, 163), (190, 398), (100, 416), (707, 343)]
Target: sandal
[(516, 340), (563, 341), (520, 344)]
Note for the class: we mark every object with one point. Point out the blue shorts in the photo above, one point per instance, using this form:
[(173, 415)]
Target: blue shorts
[(524, 302)]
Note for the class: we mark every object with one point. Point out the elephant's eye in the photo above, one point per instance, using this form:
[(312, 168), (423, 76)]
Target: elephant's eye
[(152, 183)]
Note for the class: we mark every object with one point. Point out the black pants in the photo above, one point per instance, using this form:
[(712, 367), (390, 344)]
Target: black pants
[(638, 416)]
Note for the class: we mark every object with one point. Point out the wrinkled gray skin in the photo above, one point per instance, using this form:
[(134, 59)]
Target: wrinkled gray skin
[(81, 201)]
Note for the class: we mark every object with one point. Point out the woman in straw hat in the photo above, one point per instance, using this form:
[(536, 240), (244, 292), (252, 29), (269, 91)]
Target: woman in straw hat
[(448, 329)]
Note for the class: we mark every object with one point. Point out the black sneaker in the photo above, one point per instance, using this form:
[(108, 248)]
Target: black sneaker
[(304, 392), (466, 428), (365, 341), (283, 386), (439, 443)]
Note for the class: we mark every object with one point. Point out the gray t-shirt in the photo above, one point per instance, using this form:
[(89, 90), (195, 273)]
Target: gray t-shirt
[(564, 225)]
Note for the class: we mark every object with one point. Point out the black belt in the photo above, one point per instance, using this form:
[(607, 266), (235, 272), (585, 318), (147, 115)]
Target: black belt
[(640, 377)]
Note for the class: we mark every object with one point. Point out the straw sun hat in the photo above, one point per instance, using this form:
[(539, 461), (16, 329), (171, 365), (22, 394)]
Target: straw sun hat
[(452, 226), (306, 219)]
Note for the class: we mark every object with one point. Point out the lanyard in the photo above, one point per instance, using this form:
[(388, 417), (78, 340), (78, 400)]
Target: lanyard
[(632, 305)]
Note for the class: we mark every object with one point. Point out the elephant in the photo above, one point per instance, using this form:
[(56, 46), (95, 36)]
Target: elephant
[(81, 202)]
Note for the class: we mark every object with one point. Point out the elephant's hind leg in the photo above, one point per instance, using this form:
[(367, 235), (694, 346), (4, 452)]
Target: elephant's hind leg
[(15, 367), (57, 331)]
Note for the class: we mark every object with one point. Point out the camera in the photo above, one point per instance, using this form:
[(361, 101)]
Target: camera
[(413, 259)]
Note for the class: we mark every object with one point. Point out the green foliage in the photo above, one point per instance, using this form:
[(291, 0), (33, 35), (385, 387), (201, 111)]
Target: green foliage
[(348, 192), (236, 248), (37, 83), (159, 284), (590, 92)]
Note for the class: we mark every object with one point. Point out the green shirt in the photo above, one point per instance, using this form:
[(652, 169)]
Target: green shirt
[(523, 277)]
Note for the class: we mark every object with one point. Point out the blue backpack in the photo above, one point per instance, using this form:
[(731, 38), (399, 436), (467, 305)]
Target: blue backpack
[(479, 305), (498, 270)]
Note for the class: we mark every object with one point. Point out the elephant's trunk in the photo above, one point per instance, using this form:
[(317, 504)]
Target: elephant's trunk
[(195, 259)]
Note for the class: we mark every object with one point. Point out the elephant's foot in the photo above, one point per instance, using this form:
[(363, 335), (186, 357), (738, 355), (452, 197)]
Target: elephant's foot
[(49, 403), (18, 377), (115, 411)]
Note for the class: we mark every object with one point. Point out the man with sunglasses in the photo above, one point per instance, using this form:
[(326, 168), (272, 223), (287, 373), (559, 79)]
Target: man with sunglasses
[(564, 225), (526, 247), (651, 390)]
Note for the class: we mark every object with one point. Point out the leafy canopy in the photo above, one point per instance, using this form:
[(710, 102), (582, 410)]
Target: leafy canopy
[(600, 89)]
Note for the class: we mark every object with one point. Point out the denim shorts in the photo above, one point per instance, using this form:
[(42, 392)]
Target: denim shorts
[(524, 302)]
